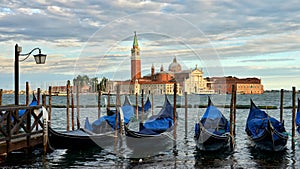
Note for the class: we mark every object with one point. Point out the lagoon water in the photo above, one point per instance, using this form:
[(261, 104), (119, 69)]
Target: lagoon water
[(183, 154)]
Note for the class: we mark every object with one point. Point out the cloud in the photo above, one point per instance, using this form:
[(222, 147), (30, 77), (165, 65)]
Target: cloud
[(260, 71), (97, 35), (268, 60), (59, 11)]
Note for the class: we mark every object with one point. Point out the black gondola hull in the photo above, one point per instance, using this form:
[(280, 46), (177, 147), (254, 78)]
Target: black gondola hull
[(207, 141), (265, 133), (78, 140), (143, 146), (212, 132), (269, 141)]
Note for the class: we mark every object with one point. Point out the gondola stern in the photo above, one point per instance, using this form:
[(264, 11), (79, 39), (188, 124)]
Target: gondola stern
[(210, 103), (298, 108), (252, 104)]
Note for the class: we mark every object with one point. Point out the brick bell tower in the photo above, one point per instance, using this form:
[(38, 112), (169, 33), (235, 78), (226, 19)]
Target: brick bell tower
[(135, 60)]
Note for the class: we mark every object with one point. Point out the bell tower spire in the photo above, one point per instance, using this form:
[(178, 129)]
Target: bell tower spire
[(135, 59), (135, 41)]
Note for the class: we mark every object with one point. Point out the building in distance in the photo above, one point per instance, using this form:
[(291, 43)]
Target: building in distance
[(190, 81), (223, 85)]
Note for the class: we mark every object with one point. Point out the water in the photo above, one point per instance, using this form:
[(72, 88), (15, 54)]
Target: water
[(184, 153)]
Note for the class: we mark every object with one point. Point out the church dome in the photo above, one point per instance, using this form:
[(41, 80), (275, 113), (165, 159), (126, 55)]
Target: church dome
[(174, 66)]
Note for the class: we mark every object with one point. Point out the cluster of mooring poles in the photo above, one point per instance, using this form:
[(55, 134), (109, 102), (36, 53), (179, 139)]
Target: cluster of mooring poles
[(71, 105)]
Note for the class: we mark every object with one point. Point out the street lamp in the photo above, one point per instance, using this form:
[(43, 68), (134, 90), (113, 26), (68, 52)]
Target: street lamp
[(39, 59)]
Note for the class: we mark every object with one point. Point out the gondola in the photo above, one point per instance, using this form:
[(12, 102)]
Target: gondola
[(147, 106), (298, 116), (265, 132), (108, 123), (143, 113), (100, 133), (212, 132), (110, 112), (34, 102), (154, 135)]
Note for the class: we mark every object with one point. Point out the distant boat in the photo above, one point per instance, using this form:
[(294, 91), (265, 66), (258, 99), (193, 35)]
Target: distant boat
[(57, 94), (298, 116), (109, 93), (265, 132), (212, 132), (204, 92), (61, 94)]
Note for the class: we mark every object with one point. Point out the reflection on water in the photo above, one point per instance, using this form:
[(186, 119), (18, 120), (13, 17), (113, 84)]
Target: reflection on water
[(183, 154), (265, 159), (213, 159)]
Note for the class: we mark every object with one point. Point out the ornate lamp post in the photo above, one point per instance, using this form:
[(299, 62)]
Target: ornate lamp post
[(39, 59)]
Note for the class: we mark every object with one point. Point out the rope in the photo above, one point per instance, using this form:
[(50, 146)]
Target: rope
[(289, 134)]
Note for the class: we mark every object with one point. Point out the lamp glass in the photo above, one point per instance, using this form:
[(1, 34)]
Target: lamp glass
[(40, 58)]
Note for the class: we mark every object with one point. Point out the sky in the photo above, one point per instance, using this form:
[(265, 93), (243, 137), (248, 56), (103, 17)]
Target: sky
[(224, 38)]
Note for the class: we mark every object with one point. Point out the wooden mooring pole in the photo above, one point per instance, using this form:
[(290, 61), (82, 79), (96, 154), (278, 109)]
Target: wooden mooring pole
[(45, 125), (175, 118), (232, 115), (1, 93), (28, 121), (149, 94), (185, 113), (38, 97), (68, 105), (108, 103), (118, 105), (234, 111), (118, 99), (117, 118), (8, 131), (27, 94), (38, 103), (78, 107), (99, 103), (72, 109), (174, 110), (136, 106), (293, 117), (49, 104), (152, 104), (142, 105), (44, 100), (231, 111), (281, 105)]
